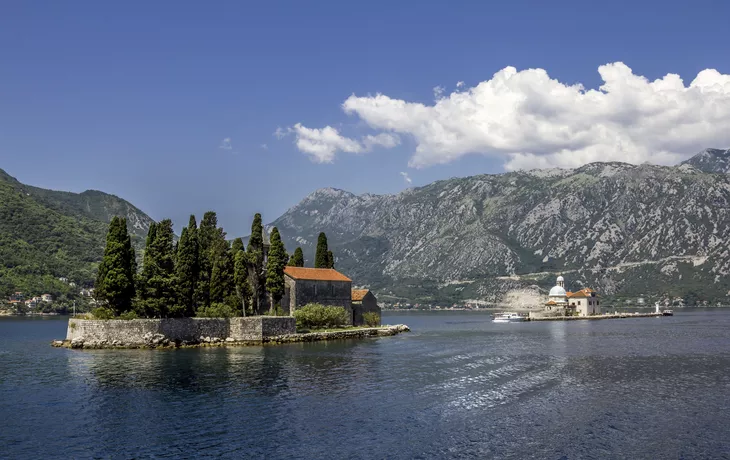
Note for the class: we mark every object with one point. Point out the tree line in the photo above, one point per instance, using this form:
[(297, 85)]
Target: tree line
[(203, 274)]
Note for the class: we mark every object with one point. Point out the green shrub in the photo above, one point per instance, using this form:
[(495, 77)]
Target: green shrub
[(128, 315), (371, 319), (316, 316), (102, 313), (277, 312), (216, 310)]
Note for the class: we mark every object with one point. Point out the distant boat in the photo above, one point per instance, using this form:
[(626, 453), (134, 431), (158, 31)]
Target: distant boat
[(507, 317), (667, 313)]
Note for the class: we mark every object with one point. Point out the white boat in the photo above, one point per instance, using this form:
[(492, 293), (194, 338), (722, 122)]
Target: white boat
[(507, 317), (667, 313)]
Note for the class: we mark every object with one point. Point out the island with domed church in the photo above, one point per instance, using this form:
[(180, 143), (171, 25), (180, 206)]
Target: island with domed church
[(564, 305)]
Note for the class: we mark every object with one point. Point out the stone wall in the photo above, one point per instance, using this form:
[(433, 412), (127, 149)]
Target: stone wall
[(333, 293), (181, 330)]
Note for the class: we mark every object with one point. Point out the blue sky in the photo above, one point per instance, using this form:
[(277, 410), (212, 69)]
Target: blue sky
[(136, 98)]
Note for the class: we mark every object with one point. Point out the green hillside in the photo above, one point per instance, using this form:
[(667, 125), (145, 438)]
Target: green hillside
[(46, 235)]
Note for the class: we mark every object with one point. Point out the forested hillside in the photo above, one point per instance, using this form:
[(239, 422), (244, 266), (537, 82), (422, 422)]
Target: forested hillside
[(46, 235)]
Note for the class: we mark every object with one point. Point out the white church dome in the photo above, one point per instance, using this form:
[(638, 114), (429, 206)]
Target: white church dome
[(557, 291)]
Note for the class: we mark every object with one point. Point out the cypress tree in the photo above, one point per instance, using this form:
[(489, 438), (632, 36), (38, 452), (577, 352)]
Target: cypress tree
[(187, 268), (206, 235), (255, 264), (115, 278), (297, 260), (275, 268), (330, 260), (237, 245), (146, 261), (158, 274), (240, 274), (321, 259), (221, 278)]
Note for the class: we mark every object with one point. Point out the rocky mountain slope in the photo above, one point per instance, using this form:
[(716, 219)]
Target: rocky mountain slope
[(46, 234), (623, 229), (711, 161)]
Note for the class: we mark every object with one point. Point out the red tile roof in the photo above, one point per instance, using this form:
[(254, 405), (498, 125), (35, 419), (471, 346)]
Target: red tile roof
[(582, 293), (359, 294), (315, 274)]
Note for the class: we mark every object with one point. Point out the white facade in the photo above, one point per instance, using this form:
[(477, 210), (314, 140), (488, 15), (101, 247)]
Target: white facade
[(584, 302), (586, 306)]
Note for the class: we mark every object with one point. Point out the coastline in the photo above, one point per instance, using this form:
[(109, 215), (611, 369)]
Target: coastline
[(596, 317), (159, 341)]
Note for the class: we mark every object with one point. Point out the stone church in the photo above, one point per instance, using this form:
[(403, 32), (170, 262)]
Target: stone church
[(325, 286)]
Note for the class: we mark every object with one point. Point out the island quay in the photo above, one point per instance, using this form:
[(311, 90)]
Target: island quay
[(188, 332), (595, 317)]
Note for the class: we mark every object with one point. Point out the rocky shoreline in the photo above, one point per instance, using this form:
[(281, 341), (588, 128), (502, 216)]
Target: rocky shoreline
[(159, 341)]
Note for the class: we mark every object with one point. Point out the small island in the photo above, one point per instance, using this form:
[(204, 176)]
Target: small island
[(206, 291)]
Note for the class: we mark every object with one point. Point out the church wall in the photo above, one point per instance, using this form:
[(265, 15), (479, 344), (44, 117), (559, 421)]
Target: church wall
[(302, 292)]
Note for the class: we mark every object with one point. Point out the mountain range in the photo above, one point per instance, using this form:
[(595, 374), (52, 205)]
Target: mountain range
[(625, 230)]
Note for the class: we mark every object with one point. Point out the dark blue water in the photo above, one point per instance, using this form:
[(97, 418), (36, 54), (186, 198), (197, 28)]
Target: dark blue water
[(458, 386)]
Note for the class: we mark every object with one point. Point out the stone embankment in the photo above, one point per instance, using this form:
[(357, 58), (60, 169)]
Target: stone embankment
[(382, 331), (594, 317), (200, 332)]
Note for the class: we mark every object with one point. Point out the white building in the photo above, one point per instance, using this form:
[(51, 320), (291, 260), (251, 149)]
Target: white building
[(583, 303), (558, 298)]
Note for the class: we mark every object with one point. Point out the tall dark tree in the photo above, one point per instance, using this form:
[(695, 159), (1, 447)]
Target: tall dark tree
[(321, 259), (187, 268), (221, 278), (240, 277), (115, 279), (275, 264), (151, 232), (207, 233), (240, 274), (237, 245), (158, 273), (330, 260), (297, 260), (255, 265)]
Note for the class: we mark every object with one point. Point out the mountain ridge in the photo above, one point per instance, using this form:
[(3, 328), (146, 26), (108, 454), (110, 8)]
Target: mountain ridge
[(48, 234), (476, 229)]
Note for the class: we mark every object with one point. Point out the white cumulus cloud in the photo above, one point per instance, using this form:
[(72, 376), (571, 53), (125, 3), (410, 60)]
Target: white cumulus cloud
[(323, 144), (406, 177), (386, 140), (459, 84), (531, 120)]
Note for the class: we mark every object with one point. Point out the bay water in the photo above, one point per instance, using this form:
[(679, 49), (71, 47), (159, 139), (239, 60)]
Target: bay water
[(457, 386)]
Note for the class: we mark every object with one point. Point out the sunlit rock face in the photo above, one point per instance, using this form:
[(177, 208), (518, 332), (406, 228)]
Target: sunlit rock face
[(616, 227)]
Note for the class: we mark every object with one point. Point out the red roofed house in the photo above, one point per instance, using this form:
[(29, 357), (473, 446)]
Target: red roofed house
[(585, 302), (325, 286), (363, 301)]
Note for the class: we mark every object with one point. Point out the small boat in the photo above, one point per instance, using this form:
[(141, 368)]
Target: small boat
[(667, 313), (507, 317)]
